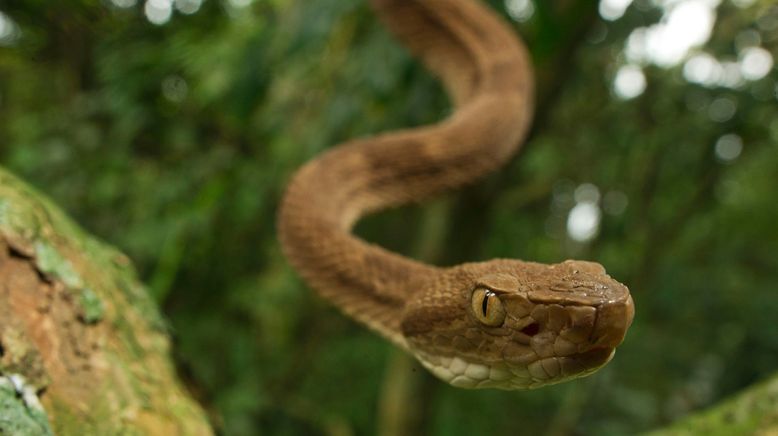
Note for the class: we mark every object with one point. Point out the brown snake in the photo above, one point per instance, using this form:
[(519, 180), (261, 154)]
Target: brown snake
[(503, 323)]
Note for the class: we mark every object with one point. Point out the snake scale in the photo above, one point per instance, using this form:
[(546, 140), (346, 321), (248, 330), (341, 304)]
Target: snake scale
[(502, 323)]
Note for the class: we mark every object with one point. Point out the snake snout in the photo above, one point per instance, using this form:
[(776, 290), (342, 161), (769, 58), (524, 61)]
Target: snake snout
[(613, 320)]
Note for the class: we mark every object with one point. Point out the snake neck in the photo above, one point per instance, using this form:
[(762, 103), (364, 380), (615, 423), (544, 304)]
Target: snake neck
[(487, 73)]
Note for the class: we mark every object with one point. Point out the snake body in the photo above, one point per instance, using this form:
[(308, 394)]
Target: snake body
[(503, 323)]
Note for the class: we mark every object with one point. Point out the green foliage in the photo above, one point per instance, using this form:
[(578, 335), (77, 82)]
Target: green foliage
[(174, 142)]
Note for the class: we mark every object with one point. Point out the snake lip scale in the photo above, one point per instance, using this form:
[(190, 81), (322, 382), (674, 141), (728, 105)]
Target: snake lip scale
[(503, 323)]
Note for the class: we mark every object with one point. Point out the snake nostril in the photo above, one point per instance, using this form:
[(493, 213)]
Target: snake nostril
[(531, 329)]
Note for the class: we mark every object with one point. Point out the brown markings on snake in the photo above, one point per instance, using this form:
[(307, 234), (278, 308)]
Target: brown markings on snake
[(433, 23), (432, 170)]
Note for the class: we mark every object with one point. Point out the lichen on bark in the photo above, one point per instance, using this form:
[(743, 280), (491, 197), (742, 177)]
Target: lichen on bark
[(21, 413), (80, 330)]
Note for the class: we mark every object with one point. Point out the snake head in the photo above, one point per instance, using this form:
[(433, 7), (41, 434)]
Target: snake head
[(509, 324)]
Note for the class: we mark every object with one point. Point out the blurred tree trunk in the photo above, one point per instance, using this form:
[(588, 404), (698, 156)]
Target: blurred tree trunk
[(83, 349)]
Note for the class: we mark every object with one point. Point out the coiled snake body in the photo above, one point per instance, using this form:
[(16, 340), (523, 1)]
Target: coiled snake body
[(503, 323)]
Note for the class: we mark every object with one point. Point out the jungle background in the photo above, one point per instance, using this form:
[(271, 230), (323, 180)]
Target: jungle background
[(168, 128)]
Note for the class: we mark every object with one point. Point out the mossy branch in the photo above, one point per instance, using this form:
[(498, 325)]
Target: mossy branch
[(83, 349), (753, 411)]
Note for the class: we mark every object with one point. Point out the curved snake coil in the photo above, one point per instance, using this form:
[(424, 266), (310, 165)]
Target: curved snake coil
[(504, 323)]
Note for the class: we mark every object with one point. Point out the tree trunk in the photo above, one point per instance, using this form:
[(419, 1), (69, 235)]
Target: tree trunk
[(83, 349)]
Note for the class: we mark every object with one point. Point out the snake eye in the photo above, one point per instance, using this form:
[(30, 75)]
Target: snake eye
[(487, 307)]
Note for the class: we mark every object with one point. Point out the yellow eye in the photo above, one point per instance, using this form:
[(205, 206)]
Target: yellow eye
[(487, 307)]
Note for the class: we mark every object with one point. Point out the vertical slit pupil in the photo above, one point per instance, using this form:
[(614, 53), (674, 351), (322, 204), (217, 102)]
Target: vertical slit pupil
[(485, 302)]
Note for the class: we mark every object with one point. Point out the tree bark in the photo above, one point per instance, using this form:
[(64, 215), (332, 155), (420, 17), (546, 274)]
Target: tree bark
[(83, 349)]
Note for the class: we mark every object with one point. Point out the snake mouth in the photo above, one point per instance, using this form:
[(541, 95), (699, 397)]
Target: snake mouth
[(552, 370), (567, 352), (542, 372), (595, 358)]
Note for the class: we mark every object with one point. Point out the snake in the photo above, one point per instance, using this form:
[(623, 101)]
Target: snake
[(502, 323)]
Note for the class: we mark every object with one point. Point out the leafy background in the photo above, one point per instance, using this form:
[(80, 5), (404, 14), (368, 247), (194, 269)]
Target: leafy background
[(169, 129)]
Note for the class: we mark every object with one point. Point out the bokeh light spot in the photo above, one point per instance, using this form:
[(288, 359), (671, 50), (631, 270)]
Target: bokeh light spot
[(520, 10), (629, 82), (612, 10), (728, 147), (188, 7), (586, 192), (684, 24), (703, 69), (158, 11), (722, 109), (583, 222), (731, 76), (9, 32), (124, 4), (240, 3), (755, 63)]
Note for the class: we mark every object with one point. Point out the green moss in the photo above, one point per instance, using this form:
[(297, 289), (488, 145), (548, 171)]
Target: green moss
[(27, 215), (17, 417), (91, 306), (51, 262)]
